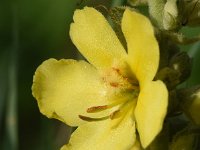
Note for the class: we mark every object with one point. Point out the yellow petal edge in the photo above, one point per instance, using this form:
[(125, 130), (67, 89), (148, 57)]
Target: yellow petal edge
[(95, 39), (151, 110), (143, 50), (64, 89), (103, 135)]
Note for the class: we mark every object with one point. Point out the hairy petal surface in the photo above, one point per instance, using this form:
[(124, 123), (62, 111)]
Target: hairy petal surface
[(95, 38), (151, 110), (65, 89), (104, 135), (143, 50)]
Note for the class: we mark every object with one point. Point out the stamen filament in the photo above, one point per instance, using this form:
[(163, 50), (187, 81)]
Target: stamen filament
[(115, 114), (90, 119), (95, 109), (122, 112)]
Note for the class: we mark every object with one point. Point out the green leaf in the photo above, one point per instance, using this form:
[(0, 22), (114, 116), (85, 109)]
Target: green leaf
[(194, 53)]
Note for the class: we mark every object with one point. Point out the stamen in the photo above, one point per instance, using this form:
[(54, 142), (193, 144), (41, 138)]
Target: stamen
[(97, 109), (132, 81), (121, 113), (117, 70), (114, 84), (115, 114), (122, 110), (90, 119)]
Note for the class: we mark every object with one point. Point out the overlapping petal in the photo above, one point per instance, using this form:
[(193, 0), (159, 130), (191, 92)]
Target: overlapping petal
[(95, 39), (103, 135), (65, 89), (143, 50), (151, 110)]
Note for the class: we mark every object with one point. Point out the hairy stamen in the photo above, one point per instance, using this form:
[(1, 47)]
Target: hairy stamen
[(115, 114), (95, 109), (90, 119)]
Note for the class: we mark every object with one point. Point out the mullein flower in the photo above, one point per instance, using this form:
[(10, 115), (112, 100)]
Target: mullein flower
[(114, 94)]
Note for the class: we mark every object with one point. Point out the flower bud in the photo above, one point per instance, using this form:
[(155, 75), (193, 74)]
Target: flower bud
[(184, 140), (190, 103), (137, 2), (170, 15), (168, 76), (181, 62), (190, 12), (156, 8)]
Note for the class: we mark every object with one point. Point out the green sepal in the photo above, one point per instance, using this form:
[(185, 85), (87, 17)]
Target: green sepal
[(181, 62), (186, 139), (137, 2), (116, 14)]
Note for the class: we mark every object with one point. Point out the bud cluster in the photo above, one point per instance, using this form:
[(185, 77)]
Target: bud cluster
[(182, 124), (178, 13)]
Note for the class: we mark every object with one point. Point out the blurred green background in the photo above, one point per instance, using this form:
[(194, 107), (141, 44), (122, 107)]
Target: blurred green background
[(32, 31)]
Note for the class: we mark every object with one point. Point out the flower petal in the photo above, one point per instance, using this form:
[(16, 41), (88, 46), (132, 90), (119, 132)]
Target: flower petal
[(95, 39), (143, 50), (65, 89), (102, 135), (151, 110)]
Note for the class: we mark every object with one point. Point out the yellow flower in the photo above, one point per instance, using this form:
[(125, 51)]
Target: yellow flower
[(112, 96)]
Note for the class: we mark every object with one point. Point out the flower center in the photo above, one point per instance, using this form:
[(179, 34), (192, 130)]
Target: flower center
[(123, 92)]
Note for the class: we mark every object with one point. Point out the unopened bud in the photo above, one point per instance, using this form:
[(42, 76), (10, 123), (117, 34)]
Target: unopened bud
[(169, 76), (137, 2), (190, 103), (184, 140), (177, 71), (190, 12), (170, 15), (181, 62)]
